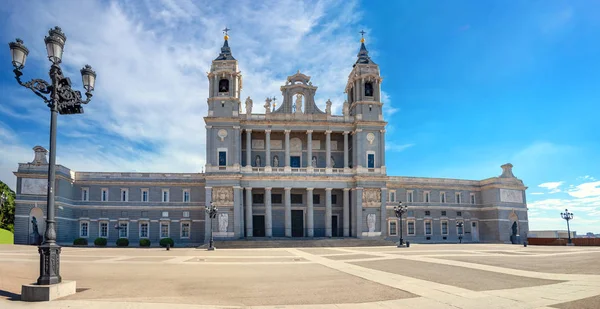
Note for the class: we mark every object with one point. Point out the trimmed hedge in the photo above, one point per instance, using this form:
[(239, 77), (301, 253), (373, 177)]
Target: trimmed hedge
[(165, 241), (100, 241), (122, 242), (144, 242), (80, 242)]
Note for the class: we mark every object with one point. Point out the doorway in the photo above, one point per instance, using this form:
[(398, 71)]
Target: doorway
[(295, 161), (297, 223), (474, 232), (334, 226), (258, 226)]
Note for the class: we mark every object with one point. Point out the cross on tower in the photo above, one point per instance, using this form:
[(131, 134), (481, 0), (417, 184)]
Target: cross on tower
[(226, 30), (362, 33)]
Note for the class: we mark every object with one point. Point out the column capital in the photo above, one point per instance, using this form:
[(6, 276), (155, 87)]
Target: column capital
[(383, 189), (309, 189), (268, 131), (207, 188), (249, 130), (268, 189), (287, 189), (236, 127), (346, 132), (287, 131), (208, 127), (382, 130), (346, 189), (357, 130), (328, 132), (309, 131), (248, 188), (237, 187), (328, 189)]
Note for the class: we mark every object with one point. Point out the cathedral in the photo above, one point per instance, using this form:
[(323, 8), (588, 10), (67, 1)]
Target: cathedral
[(296, 171)]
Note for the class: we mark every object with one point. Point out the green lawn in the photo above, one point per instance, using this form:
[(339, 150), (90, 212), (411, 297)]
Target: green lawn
[(6, 237)]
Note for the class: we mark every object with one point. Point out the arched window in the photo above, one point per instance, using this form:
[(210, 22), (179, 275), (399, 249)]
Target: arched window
[(351, 95), (224, 85), (368, 89)]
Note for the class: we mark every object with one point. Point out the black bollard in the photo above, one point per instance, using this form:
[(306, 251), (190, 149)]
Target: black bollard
[(168, 246), (407, 244), (524, 244)]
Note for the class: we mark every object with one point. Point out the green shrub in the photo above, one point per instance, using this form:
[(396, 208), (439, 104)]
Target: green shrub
[(100, 241), (165, 241), (144, 242), (80, 242), (122, 242)]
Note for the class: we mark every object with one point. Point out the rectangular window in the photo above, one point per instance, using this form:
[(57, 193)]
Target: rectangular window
[(444, 227), (409, 196), (316, 199), (165, 214), (103, 229), (144, 230), (392, 196), (124, 195), (186, 214), (296, 198), (333, 199), (276, 198), (411, 227), (185, 230), (427, 227), (472, 198), (165, 195), (123, 229), (104, 195), (427, 213), (84, 229), (222, 158), (85, 194), (426, 197), (459, 213), (186, 195), (443, 212), (410, 214), (258, 198), (458, 198), (393, 228), (144, 195), (371, 160), (443, 197), (164, 230)]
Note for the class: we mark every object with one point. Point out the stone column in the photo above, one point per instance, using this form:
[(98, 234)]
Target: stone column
[(238, 212), (268, 150), (287, 149), (209, 148), (237, 147), (268, 214), (310, 215), (309, 149), (248, 212), (359, 212), (346, 149), (288, 211), (382, 148), (328, 212), (328, 148), (207, 201), (383, 219), (249, 148), (346, 213)]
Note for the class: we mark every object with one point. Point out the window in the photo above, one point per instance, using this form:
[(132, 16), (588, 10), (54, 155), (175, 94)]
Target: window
[(410, 214), (411, 228), (104, 195), (185, 230), (443, 212), (368, 89), (427, 213), (409, 196), (296, 198), (276, 198), (85, 194), (333, 199), (222, 158), (186, 214), (472, 198), (124, 195), (165, 214), (459, 213), (444, 227), (143, 229), (165, 195), (164, 230), (83, 229), (458, 198), (393, 228), (427, 227), (370, 159), (392, 196), (426, 196), (443, 197), (316, 199), (145, 195), (186, 195), (224, 85), (459, 228), (123, 229), (258, 198), (103, 230)]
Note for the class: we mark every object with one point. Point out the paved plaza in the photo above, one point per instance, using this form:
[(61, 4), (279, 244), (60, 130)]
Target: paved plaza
[(422, 276)]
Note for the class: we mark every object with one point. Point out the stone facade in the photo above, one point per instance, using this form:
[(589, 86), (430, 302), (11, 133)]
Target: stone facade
[(294, 171)]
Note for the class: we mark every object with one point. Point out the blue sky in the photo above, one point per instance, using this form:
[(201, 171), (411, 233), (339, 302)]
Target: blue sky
[(468, 85)]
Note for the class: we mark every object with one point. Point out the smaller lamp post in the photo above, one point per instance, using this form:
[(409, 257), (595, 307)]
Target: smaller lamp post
[(460, 226), (400, 210), (568, 216), (211, 212)]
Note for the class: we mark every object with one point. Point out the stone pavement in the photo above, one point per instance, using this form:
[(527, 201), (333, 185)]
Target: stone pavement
[(422, 276)]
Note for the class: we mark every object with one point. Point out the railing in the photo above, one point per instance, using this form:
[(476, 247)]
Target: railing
[(299, 232)]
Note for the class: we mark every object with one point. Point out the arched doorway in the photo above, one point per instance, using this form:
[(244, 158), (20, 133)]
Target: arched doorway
[(38, 214)]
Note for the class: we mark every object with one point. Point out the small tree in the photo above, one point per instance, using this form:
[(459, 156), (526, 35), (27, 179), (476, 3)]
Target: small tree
[(7, 212)]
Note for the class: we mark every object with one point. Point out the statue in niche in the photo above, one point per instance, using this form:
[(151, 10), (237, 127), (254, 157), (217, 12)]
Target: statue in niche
[(514, 229), (298, 103), (371, 219), (257, 161), (346, 109), (268, 106), (223, 222), (314, 161), (275, 161), (328, 107), (36, 237), (332, 161), (248, 106)]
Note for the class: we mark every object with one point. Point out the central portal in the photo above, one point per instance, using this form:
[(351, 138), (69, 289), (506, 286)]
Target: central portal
[(295, 161), (297, 223)]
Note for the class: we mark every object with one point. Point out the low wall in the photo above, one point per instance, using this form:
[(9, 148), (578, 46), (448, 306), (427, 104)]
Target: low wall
[(563, 242)]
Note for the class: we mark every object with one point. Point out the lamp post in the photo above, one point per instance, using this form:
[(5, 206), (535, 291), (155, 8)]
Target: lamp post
[(460, 226), (399, 211), (60, 98), (568, 216), (211, 212)]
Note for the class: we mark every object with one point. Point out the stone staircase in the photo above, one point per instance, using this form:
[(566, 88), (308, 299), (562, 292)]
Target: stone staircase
[(298, 243)]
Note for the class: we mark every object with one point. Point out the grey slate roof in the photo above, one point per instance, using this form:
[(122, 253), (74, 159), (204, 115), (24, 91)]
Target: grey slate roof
[(363, 56), (225, 52)]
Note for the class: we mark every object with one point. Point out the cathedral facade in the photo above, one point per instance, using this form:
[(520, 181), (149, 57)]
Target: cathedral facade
[(294, 171)]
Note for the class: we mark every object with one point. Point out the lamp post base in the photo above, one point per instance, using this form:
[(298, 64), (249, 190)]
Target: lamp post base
[(49, 264), (36, 292)]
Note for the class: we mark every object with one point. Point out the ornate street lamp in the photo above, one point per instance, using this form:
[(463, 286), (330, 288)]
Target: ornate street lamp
[(399, 211), (460, 226), (211, 212), (60, 98), (568, 216)]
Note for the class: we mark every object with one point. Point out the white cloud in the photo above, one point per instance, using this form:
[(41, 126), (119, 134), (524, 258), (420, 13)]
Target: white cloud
[(537, 193), (584, 190), (552, 186), (391, 146)]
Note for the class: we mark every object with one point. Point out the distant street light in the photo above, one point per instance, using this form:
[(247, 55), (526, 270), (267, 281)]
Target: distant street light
[(568, 216), (211, 212), (460, 227), (399, 211)]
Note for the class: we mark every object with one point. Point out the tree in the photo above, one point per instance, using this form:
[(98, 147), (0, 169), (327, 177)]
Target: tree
[(7, 212)]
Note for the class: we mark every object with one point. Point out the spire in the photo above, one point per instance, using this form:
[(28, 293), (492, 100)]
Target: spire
[(363, 54), (225, 50)]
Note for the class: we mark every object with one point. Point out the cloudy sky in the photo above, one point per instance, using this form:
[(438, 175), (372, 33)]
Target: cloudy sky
[(469, 85)]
